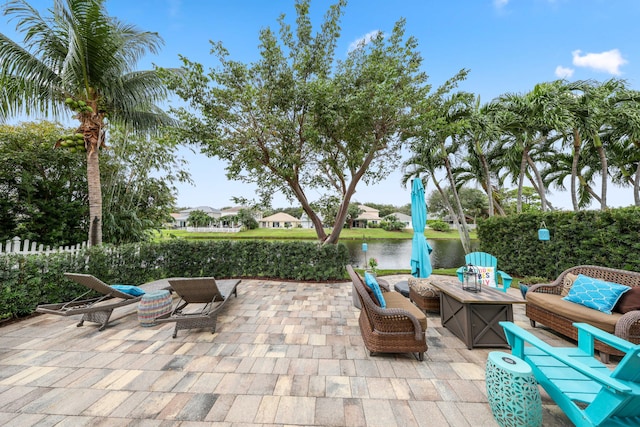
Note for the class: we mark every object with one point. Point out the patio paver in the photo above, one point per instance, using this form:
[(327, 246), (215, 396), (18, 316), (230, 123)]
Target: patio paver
[(284, 353)]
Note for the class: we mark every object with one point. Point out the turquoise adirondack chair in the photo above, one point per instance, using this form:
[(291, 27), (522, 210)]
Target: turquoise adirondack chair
[(586, 390), (483, 259)]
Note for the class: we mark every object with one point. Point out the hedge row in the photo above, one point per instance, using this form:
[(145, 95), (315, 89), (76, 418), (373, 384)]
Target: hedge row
[(608, 238), (28, 280)]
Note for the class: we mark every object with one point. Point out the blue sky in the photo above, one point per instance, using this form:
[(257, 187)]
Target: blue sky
[(508, 46)]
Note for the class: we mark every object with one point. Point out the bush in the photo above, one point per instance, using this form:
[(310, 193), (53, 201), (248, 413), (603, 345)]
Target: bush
[(606, 238), (391, 223), (438, 225)]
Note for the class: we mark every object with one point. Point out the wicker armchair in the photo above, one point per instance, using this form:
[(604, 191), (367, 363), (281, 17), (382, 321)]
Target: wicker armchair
[(399, 328), (626, 326)]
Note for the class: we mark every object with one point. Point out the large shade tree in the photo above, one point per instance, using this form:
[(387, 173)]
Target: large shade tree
[(80, 61), (298, 120)]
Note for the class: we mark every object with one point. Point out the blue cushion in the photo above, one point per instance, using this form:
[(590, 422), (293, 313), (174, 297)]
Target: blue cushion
[(371, 281), (129, 289), (595, 293)]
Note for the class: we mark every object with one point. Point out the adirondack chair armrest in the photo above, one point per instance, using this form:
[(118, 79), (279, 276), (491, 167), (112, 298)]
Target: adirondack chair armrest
[(517, 337), (587, 334), (460, 273), (506, 279)]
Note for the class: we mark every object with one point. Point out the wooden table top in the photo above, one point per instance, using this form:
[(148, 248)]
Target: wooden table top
[(486, 296)]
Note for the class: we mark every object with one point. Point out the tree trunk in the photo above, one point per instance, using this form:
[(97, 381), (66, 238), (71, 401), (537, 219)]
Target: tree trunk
[(91, 127), (636, 185), (584, 184), (306, 206), (487, 177), (445, 200), (604, 171), (463, 230), (95, 197), (349, 191), (523, 167), (577, 142), (542, 190)]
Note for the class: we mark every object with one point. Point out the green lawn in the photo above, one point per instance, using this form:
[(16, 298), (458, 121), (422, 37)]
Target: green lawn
[(308, 234)]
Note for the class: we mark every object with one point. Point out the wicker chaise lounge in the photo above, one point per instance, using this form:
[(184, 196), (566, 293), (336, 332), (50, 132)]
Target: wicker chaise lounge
[(209, 295), (398, 328)]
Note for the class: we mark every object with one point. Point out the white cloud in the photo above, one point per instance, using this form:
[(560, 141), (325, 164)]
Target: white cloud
[(564, 72), (500, 3), (609, 61), (362, 41)]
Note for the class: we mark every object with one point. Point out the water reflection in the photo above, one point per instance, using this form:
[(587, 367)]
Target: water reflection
[(396, 254)]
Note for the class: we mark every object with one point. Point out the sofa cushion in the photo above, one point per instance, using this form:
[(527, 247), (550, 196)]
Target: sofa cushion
[(629, 301), (397, 300), (595, 293), (573, 312), (371, 281), (373, 297), (567, 282)]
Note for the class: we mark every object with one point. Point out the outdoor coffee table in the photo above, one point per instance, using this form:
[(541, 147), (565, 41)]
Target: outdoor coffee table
[(473, 316)]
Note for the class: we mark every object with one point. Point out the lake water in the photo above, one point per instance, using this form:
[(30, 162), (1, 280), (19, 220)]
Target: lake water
[(396, 254)]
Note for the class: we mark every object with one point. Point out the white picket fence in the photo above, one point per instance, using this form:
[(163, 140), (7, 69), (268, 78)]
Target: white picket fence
[(19, 246)]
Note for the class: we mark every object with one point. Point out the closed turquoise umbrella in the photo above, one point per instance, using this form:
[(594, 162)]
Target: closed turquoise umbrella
[(420, 249)]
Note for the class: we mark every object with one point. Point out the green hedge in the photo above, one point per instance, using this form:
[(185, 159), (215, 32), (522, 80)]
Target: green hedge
[(608, 238), (28, 280)]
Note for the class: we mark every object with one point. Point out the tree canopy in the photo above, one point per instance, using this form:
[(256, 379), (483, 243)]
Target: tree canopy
[(298, 119)]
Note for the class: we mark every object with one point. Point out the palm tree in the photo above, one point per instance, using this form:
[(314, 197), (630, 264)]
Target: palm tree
[(593, 114), (529, 119), (81, 61), (439, 140), (481, 138)]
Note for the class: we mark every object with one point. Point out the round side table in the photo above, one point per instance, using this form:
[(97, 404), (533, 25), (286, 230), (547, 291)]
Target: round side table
[(153, 305), (512, 391)]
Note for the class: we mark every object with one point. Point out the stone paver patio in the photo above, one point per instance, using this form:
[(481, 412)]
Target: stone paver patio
[(284, 354)]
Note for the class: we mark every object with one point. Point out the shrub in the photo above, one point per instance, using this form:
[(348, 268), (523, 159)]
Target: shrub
[(438, 225)]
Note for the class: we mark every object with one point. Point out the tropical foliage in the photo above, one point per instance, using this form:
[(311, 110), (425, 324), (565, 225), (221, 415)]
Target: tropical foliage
[(80, 61), (585, 133), (43, 192)]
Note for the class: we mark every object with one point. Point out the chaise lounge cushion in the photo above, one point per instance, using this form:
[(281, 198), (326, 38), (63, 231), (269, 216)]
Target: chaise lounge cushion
[(574, 312), (129, 289), (397, 300), (595, 293)]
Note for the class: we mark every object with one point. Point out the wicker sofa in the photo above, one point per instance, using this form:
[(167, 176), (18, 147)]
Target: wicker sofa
[(546, 306), (398, 328)]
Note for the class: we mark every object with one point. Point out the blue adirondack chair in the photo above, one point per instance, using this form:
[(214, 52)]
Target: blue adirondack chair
[(483, 259), (586, 390)]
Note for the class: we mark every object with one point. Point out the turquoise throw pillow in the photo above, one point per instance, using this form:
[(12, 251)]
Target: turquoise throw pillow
[(129, 289), (372, 283), (595, 293)]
